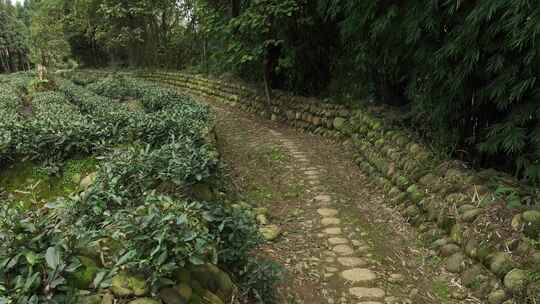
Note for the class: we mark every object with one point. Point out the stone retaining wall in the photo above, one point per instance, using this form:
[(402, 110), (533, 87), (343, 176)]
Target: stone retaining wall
[(496, 250)]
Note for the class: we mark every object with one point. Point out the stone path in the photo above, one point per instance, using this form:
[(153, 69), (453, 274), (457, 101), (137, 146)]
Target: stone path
[(348, 259), (339, 244)]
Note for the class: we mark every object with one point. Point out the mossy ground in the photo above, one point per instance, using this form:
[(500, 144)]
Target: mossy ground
[(32, 183)]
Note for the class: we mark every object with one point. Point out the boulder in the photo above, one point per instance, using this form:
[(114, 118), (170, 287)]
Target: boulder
[(473, 276), (531, 224), (497, 297), (203, 192), (76, 178), (439, 243), (456, 234), (339, 123), (470, 215), (456, 263), (260, 210), (83, 277), (516, 281), (210, 298), (182, 276), (128, 285), (212, 278), (93, 299), (270, 232), (88, 181), (144, 301), (449, 249), (517, 222), (262, 219), (415, 194), (500, 263), (534, 260), (185, 291), (107, 299), (172, 296)]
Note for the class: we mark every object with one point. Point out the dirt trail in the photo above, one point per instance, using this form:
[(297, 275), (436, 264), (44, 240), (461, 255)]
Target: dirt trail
[(339, 242)]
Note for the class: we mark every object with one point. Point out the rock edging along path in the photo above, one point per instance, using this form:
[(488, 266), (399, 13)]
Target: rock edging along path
[(326, 243), (493, 248)]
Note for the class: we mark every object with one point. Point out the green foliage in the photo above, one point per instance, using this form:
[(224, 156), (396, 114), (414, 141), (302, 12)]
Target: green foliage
[(48, 44), (35, 257), (131, 172), (466, 71), (56, 131), (124, 221), (258, 279), (13, 40)]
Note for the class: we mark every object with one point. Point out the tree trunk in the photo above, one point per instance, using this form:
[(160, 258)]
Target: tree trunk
[(205, 55), (235, 8), (267, 74)]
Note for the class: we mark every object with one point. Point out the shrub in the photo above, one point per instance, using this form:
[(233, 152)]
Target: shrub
[(123, 222)]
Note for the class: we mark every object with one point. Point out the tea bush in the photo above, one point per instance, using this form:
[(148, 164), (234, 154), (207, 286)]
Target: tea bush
[(124, 223), (56, 129)]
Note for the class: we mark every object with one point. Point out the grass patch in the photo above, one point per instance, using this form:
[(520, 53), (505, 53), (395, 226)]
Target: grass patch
[(441, 290)]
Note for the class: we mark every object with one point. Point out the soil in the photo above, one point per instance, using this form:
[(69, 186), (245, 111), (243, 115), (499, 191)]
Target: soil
[(329, 213)]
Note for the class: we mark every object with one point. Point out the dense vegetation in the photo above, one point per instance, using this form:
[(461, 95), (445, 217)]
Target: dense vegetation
[(137, 225), (462, 74)]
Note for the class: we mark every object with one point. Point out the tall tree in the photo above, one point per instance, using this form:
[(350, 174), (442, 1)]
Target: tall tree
[(48, 44), (13, 40)]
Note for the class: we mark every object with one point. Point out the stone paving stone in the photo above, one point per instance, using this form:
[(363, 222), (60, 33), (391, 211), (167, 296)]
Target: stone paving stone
[(352, 261), (327, 212), (356, 275), (323, 198), (343, 250), (332, 231), (363, 293), (327, 221), (337, 241)]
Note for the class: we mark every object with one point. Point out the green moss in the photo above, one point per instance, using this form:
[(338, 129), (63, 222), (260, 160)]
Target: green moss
[(84, 276), (78, 167), (441, 290), (30, 183)]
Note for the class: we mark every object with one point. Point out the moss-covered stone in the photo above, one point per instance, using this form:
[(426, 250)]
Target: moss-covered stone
[(203, 192), (449, 249), (214, 279), (415, 194), (456, 234), (456, 263), (531, 222), (270, 232), (497, 297), (107, 299), (516, 281), (128, 285), (171, 296), (185, 291), (87, 181), (339, 123), (470, 215), (144, 301), (500, 263), (83, 277), (473, 276), (211, 298), (92, 299)]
